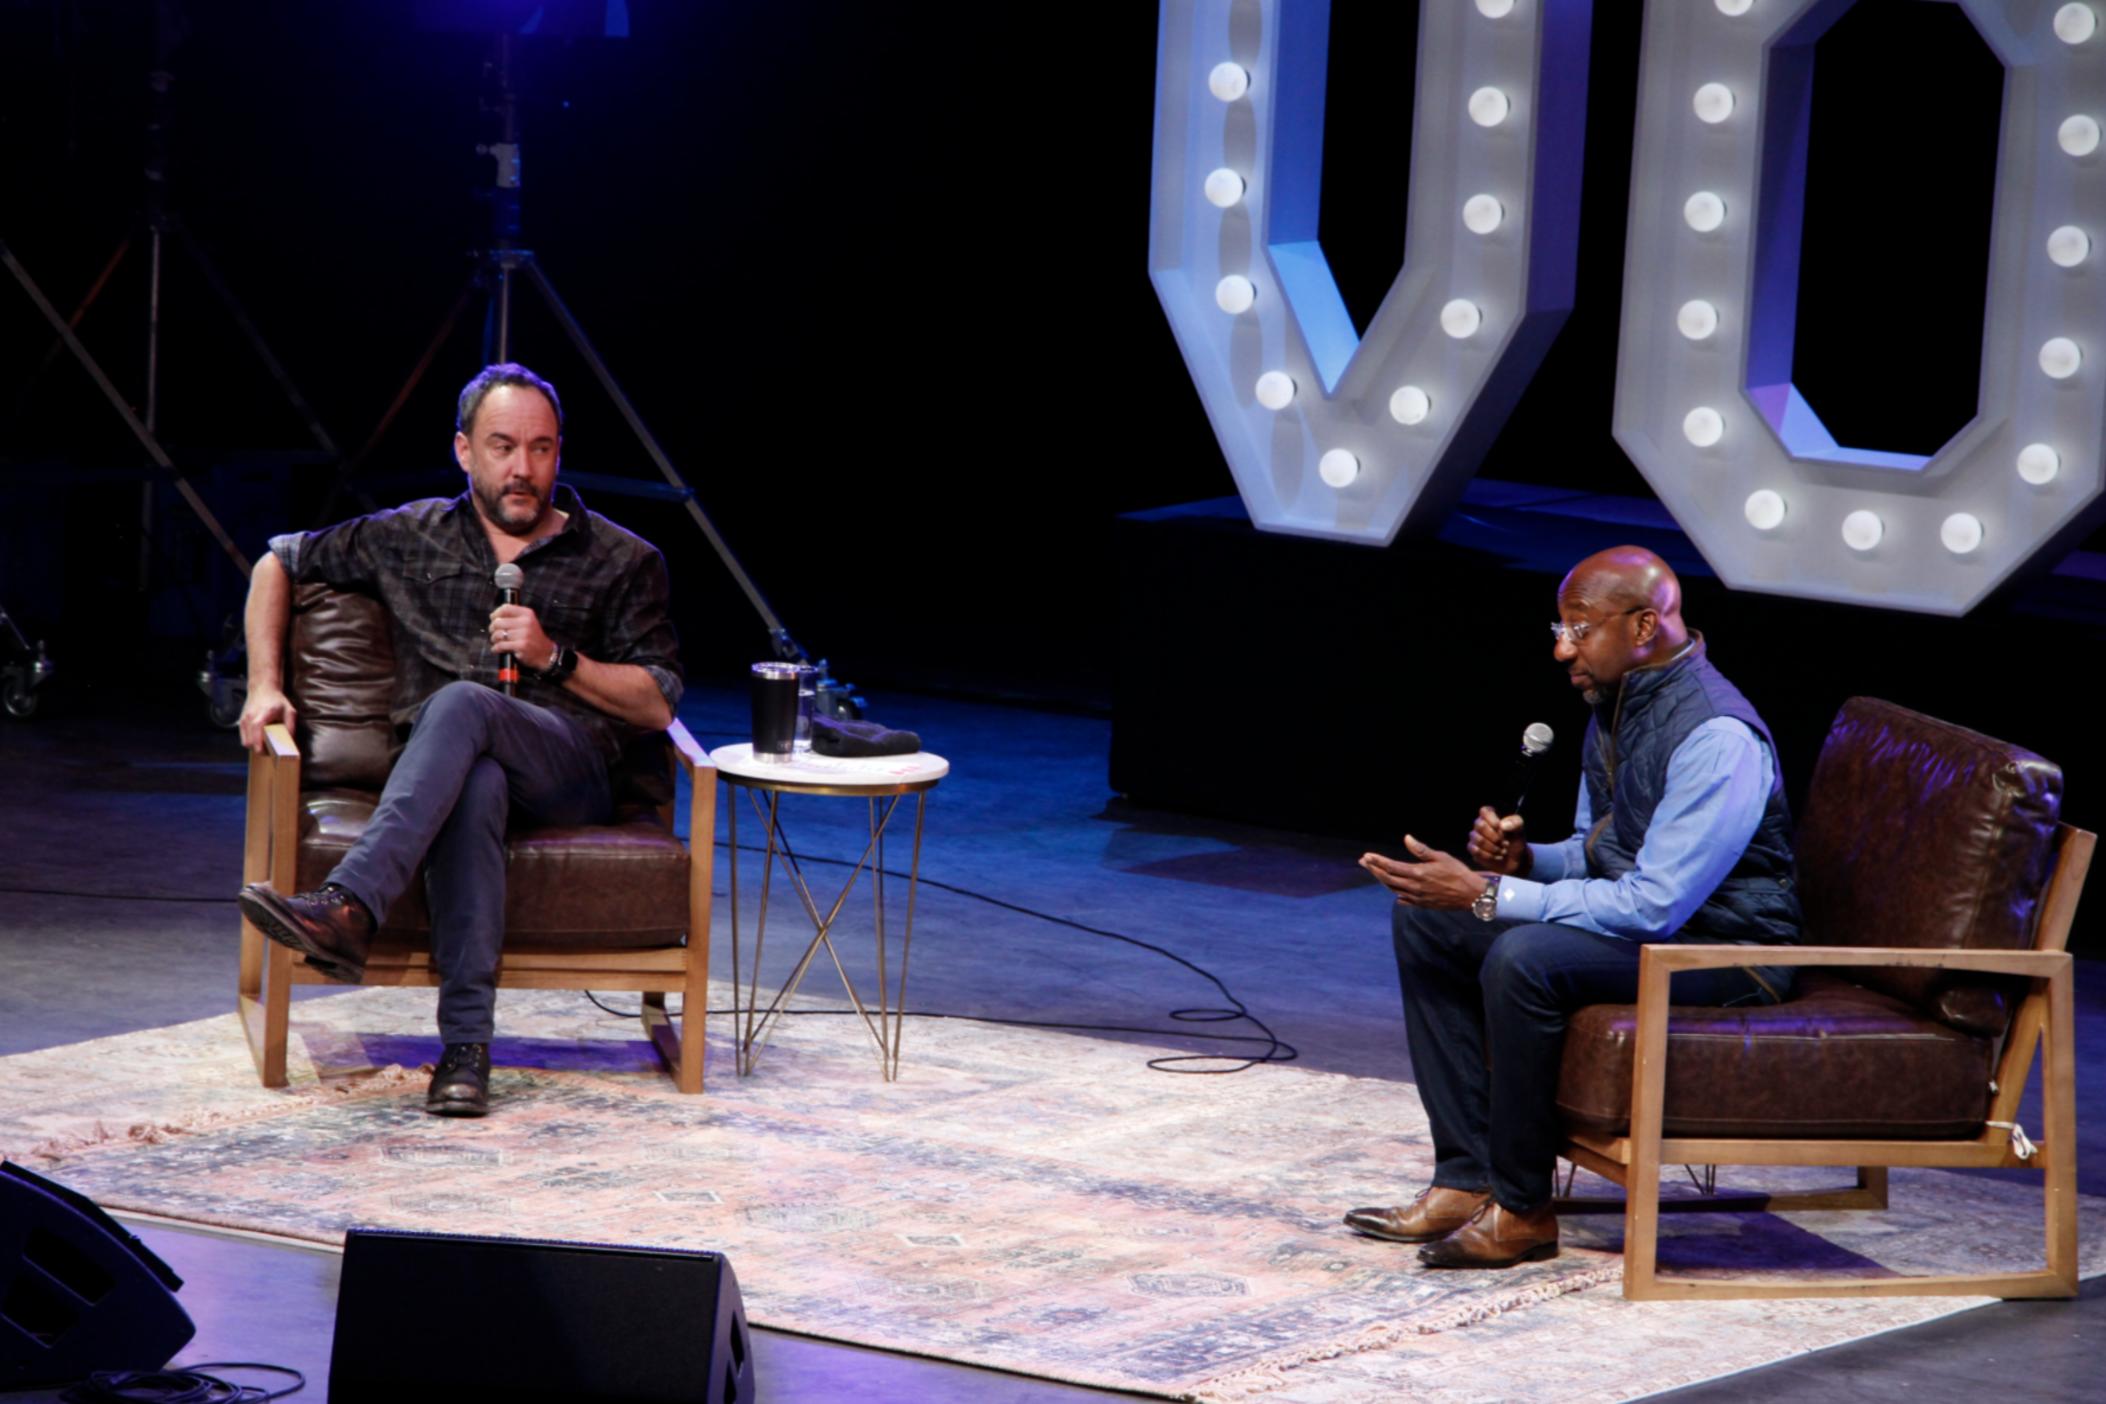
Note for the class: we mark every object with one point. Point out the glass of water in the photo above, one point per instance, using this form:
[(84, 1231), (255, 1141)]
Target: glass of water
[(807, 698)]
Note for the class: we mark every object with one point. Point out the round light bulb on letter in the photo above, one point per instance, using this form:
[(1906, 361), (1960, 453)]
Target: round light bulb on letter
[(1224, 188), (1338, 468), (1500, 9), (1461, 318), (2079, 135), (1764, 510), (2068, 246), (1228, 81), (1704, 211), (1481, 214), (1734, 9), (1235, 294), (1713, 103), (1862, 530), (1703, 426), (1488, 107), (1961, 533), (1275, 390), (2075, 23), (2039, 463), (1697, 319), (2060, 358), (1410, 405)]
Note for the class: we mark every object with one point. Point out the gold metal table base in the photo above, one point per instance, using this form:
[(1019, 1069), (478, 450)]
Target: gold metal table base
[(753, 1027)]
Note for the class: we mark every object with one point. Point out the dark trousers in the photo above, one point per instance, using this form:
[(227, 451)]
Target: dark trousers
[(474, 759), (1485, 1005)]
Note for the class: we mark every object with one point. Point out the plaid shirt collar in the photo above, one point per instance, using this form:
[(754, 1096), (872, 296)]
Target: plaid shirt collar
[(564, 498)]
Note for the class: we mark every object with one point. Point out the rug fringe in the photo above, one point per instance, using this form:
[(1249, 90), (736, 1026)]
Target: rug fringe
[(1257, 1380), (150, 1133)]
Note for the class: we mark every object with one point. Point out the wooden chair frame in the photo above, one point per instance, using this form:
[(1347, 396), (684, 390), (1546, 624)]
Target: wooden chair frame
[(270, 852), (2047, 1013)]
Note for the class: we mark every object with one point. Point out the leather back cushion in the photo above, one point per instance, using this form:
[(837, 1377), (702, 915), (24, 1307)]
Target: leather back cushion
[(340, 676), (1924, 834)]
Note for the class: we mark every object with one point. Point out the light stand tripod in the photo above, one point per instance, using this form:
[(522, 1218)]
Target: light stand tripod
[(496, 269), (160, 221)]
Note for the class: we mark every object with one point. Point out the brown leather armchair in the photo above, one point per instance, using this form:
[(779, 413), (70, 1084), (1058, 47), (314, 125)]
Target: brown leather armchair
[(1939, 888), (621, 906)]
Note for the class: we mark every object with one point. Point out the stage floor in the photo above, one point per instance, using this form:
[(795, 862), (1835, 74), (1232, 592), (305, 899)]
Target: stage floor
[(119, 844)]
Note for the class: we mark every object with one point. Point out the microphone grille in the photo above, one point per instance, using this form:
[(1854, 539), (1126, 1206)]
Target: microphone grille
[(1536, 740), (511, 577)]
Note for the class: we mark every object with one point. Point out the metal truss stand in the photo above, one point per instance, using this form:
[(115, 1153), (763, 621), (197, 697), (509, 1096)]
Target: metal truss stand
[(508, 261), (159, 223)]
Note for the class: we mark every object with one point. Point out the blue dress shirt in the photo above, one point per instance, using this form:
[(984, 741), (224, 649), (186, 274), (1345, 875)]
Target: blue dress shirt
[(1718, 782)]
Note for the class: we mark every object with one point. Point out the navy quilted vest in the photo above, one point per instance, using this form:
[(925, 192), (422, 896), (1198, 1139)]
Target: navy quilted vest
[(1633, 733)]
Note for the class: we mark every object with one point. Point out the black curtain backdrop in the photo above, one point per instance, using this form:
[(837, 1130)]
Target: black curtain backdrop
[(875, 273)]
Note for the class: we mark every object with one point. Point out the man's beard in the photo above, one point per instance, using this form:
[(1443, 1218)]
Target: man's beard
[(495, 511), (1591, 696)]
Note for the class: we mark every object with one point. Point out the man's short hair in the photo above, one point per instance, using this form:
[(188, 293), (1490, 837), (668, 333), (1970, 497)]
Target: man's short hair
[(503, 373)]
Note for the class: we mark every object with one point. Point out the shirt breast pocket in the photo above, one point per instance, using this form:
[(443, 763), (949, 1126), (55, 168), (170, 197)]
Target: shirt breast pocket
[(568, 619), (443, 582)]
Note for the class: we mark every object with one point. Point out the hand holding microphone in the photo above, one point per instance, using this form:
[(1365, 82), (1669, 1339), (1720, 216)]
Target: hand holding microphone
[(1500, 844), (515, 631)]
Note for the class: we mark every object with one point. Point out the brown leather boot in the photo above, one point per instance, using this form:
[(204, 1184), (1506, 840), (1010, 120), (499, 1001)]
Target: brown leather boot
[(1496, 1237), (330, 927), (1437, 1212)]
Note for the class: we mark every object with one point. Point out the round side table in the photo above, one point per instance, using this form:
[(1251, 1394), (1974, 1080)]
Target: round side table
[(882, 782)]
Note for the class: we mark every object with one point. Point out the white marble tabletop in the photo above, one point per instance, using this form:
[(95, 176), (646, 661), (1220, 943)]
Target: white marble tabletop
[(834, 772)]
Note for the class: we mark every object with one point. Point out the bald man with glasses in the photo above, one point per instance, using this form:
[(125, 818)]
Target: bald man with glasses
[(1682, 832)]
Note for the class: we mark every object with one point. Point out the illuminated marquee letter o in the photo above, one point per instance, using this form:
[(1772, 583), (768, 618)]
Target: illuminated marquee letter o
[(1328, 433), (1704, 400)]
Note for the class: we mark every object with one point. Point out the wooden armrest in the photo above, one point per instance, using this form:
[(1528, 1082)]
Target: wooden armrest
[(272, 823), (694, 761), (1669, 957)]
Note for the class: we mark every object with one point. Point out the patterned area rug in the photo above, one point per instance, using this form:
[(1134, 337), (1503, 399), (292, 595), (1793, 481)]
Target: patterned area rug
[(1021, 1199)]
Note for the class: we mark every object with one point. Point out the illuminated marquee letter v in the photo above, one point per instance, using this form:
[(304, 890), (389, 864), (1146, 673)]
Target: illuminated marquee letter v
[(1327, 433)]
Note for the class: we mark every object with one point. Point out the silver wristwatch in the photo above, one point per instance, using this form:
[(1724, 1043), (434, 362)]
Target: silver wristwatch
[(1486, 907)]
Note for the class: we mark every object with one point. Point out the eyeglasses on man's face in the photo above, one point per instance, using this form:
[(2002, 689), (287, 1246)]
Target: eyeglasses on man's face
[(1576, 634)]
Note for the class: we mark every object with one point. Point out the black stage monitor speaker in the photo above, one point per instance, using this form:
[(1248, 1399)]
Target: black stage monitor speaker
[(77, 1293), (431, 1316)]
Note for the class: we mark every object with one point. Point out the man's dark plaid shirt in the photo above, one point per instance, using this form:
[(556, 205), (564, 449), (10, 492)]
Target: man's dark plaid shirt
[(599, 589)]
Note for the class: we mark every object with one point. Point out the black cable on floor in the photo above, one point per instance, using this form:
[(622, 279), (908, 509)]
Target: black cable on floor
[(1275, 1051), (186, 1386), (107, 896)]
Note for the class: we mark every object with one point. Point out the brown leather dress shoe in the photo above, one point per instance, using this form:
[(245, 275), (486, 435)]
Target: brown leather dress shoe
[(330, 927), (1436, 1213), (1496, 1237)]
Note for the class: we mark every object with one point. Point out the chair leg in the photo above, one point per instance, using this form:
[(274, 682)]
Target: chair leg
[(694, 1023), (2058, 1106), (1872, 1181), (689, 1077), (679, 1049), (266, 1007)]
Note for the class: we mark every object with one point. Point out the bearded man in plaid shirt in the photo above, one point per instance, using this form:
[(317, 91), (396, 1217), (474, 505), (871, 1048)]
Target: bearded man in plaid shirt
[(593, 637)]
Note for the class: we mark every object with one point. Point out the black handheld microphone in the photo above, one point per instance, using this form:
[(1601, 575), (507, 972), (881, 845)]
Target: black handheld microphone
[(508, 579), (1534, 742)]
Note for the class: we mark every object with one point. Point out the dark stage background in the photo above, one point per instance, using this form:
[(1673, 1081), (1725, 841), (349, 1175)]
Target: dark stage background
[(876, 275)]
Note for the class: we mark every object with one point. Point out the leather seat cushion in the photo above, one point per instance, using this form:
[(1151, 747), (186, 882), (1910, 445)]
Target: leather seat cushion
[(1837, 1060), (619, 886)]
